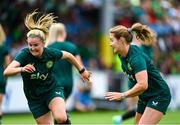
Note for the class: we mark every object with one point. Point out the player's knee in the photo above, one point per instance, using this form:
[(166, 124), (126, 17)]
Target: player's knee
[(61, 118)]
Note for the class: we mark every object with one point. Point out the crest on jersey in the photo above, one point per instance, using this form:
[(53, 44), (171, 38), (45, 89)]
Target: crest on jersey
[(129, 67), (49, 64)]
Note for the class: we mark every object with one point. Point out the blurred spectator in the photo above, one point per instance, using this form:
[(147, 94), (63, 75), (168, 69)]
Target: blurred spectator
[(82, 19), (83, 101)]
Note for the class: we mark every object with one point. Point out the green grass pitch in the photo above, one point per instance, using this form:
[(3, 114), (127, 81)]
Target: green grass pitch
[(88, 118)]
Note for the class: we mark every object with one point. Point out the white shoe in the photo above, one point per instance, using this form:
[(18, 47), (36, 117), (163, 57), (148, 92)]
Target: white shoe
[(117, 119)]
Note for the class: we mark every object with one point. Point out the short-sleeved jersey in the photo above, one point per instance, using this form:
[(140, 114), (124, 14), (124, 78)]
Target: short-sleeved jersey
[(137, 61), (64, 76), (3, 53), (42, 80), (148, 50)]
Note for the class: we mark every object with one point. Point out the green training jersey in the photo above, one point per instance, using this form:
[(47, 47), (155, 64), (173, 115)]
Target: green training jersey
[(64, 76), (42, 80), (148, 50), (3, 53), (136, 61)]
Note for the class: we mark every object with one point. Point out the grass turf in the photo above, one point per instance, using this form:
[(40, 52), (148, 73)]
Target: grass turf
[(97, 117)]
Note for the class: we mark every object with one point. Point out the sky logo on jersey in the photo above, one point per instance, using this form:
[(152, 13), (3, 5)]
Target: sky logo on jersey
[(39, 76), (49, 64)]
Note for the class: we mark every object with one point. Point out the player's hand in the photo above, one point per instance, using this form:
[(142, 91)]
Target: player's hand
[(114, 96), (28, 68), (85, 76)]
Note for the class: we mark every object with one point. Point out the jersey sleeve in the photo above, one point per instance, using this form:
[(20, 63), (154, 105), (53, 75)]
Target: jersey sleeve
[(21, 57), (57, 54), (75, 50), (138, 64)]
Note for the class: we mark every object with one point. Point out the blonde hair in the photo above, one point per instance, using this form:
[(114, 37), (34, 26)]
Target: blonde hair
[(121, 31), (147, 35), (39, 28), (55, 30), (2, 35)]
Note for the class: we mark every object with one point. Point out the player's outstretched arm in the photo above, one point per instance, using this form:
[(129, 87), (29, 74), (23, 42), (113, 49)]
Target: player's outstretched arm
[(85, 74)]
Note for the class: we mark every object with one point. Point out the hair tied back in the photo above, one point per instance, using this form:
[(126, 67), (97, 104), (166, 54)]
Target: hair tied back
[(129, 30)]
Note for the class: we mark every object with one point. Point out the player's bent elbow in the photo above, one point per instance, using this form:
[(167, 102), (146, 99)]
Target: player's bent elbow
[(5, 73), (144, 86)]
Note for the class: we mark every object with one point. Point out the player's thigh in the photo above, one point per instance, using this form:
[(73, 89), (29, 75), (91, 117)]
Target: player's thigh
[(141, 105), (58, 107), (45, 119), (1, 97), (150, 116), (56, 103)]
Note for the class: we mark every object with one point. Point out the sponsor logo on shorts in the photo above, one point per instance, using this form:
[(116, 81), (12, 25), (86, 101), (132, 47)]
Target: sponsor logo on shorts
[(58, 93), (154, 103)]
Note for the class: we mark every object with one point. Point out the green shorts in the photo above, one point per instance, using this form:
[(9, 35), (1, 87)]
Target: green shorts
[(159, 103), (67, 90), (2, 88), (40, 107)]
